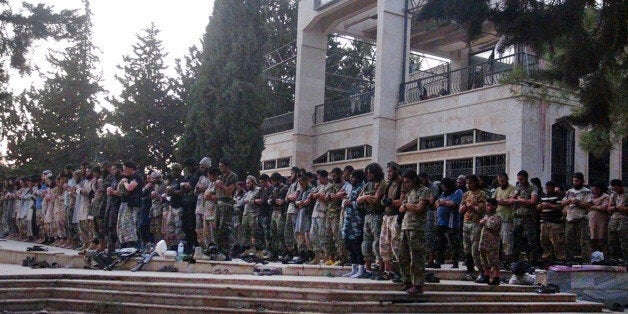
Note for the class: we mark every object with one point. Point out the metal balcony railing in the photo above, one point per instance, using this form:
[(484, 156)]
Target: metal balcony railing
[(343, 108), (280, 123), (456, 81)]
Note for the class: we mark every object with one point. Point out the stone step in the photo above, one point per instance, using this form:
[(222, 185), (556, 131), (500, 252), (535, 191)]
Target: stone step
[(89, 306), (16, 252), (275, 300), (259, 281), (78, 305), (289, 293)]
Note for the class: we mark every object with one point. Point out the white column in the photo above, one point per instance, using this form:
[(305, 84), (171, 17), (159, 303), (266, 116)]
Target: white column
[(309, 88), (389, 73)]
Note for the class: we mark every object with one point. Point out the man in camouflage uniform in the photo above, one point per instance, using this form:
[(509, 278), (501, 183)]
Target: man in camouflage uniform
[(618, 223), (175, 192), (525, 231), (370, 198), (292, 195), (472, 207), (552, 225), (277, 205), (412, 245), (577, 202), (390, 233), (332, 217), (98, 186), (225, 188), (250, 215), (130, 203), (156, 206)]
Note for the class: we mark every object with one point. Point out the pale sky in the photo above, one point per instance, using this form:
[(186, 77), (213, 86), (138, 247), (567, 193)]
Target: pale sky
[(116, 23)]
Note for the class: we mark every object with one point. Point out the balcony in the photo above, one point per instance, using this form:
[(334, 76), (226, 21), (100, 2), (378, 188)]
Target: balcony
[(428, 85), (280, 123), (344, 108)]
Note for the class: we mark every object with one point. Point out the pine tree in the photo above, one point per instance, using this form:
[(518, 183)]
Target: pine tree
[(18, 31), (226, 105), (61, 123), (147, 112)]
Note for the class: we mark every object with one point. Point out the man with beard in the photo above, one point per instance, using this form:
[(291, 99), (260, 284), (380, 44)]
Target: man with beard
[(263, 231), (278, 216), (332, 218), (318, 231), (130, 205), (98, 192), (112, 208), (189, 205), (291, 213), (370, 198), (577, 202), (390, 233), (202, 206), (100, 212), (225, 188), (175, 192), (525, 231)]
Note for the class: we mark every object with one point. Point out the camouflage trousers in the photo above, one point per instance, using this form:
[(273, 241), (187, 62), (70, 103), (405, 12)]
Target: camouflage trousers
[(156, 227), (618, 239), (175, 226), (578, 234), (553, 241), (490, 258), (389, 238), (277, 223), (249, 228), (224, 226), (209, 227), (370, 241), (127, 223), (412, 256), (288, 232), (525, 237), (471, 241), (334, 234), (318, 236)]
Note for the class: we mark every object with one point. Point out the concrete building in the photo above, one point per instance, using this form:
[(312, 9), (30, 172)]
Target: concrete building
[(459, 118)]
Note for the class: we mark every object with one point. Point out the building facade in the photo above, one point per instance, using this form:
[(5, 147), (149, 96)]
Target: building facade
[(457, 118)]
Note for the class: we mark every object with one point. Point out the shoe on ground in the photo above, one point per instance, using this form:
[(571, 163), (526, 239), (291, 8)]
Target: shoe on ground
[(329, 262), (415, 290), (377, 276), (397, 279), (468, 277), (337, 263), (482, 279), (494, 282), (365, 275), (431, 278), (454, 265), (405, 286)]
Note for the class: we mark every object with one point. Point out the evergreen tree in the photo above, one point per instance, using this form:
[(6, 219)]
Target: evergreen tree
[(19, 29), (586, 42), (226, 105), (147, 112), (60, 123)]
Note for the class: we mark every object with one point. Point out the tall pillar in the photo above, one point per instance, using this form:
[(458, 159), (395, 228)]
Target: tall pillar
[(389, 74), (309, 88)]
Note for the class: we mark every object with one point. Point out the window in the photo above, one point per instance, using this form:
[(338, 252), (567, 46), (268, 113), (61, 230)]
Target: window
[(430, 142), (456, 167), (434, 169), (460, 138), (283, 162), (355, 152), (490, 166), (336, 155), (321, 159), (270, 164), (482, 136), (563, 145)]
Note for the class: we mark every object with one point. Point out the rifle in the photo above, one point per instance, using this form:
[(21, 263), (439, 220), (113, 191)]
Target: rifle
[(124, 255), (144, 261)]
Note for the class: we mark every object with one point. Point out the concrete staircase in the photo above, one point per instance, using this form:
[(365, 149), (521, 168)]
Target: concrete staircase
[(122, 291)]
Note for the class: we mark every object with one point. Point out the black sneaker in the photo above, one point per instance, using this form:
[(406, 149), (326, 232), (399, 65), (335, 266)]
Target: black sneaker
[(482, 279), (494, 282)]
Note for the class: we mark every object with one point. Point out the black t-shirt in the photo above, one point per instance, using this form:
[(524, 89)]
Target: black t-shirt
[(134, 197), (551, 215), (176, 201)]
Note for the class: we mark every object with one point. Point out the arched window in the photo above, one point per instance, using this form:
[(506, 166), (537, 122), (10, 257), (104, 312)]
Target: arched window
[(563, 145)]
